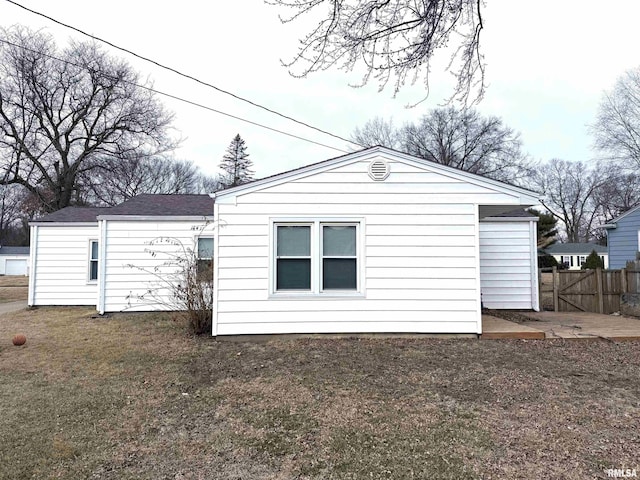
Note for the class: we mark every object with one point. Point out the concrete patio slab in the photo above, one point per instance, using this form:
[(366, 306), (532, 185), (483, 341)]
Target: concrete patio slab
[(584, 325), (494, 328)]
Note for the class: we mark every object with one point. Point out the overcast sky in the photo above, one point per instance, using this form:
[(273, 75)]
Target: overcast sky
[(548, 63)]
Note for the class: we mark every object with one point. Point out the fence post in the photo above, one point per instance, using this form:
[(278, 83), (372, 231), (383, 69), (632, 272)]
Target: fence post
[(556, 288), (625, 285), (599, 291)]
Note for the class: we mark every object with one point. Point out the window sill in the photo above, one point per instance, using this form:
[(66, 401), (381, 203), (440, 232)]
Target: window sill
[(317, 296)]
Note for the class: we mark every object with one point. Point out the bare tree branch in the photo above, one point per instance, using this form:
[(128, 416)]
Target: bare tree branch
[(395, 40)]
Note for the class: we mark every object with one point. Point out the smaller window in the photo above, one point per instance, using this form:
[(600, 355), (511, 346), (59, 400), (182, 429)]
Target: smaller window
[(204, 258), (583, 258), (93, 260)]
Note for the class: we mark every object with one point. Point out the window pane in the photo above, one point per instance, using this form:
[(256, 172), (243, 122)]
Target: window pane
[(339, 241), (94, 250), (293, 274), (205, 248), (205, 270), (93, 270), (294, 241), (339, 274)]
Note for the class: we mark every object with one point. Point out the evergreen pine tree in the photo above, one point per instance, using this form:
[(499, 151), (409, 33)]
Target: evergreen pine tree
[(593, 261), (547, 228), (236, 164)]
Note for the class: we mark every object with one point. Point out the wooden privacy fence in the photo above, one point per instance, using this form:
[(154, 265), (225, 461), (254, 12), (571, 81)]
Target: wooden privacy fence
[(592, 290)]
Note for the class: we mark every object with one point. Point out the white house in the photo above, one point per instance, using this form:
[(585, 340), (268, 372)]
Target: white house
[(116, 258), (573, 255), (373, 241), (14, 260)]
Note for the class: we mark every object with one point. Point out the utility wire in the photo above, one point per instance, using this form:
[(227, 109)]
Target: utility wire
[(175, 97), (190, 77)]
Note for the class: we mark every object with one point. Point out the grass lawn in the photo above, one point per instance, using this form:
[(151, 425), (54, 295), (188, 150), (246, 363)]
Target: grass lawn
[(13, 288), (134, 397)]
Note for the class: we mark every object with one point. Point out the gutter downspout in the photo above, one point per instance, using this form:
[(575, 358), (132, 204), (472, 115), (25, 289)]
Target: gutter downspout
[(102, 254), (476, 221), (535, 271), (33, 254), (214, 313)]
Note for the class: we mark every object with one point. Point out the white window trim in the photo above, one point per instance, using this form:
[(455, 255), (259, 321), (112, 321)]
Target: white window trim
[(316, 258), (90, 259)]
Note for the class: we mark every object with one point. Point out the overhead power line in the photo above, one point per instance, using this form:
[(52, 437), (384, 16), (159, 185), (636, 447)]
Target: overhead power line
[(178, 72), (175, 97)]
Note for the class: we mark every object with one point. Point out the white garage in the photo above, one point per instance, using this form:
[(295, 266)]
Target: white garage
[(14, 260)]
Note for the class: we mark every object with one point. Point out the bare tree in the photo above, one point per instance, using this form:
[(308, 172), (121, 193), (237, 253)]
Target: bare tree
[(65, 112), (377, 131), (462, 139), (617, 128), (11, 198), (394, 40), (570, 190), (115, 180), (618, 192)]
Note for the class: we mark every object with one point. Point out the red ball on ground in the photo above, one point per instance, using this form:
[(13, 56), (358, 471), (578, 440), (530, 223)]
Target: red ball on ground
[(19, 340)]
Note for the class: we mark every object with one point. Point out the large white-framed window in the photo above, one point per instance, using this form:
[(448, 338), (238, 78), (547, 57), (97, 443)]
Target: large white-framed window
[(316, 257), (93, 261)]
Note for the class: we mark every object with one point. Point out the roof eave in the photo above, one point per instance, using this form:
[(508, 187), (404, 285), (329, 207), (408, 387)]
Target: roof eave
[(159, 218), (527, 197)]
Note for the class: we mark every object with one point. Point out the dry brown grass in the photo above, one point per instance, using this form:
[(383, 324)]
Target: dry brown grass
[(14, 281), (13, 288), (134, 397)]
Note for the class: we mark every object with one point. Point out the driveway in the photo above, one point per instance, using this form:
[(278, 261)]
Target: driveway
[(583, 325), (12, 306)]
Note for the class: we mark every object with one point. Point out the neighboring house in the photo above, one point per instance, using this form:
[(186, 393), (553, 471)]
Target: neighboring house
[(373, 241), (14, 260), (111, 257), (623, 238), (573, 255)]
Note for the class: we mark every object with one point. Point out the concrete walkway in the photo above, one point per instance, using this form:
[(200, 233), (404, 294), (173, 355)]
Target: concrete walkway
[(12, 306), (584, 325)]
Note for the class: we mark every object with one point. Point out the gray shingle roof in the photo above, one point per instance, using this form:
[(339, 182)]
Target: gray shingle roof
[(165, 205), (574, 248), (14, 250), (515, 213), (141, 205), (73, 214)]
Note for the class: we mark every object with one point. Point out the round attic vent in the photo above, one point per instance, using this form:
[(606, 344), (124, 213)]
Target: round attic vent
[(378, 170)]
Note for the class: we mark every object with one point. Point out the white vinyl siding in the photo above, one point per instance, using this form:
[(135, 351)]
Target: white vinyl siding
[(506, 275), (419, 253), (136, 276), (61, 271)]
